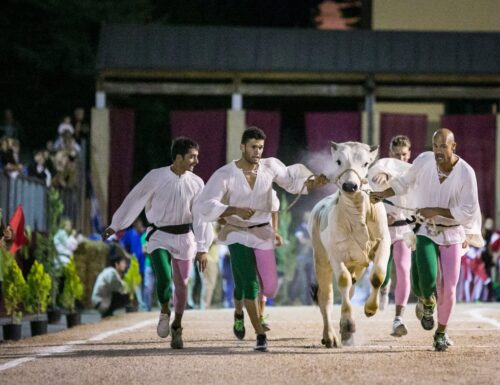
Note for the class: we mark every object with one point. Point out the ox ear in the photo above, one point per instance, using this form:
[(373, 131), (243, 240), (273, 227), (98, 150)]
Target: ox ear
[(334, 146), (373, 152)]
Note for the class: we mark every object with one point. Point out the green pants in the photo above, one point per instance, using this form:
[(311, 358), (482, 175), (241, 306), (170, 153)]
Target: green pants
[(389, 270), (160, 261), (424, 267), (246, 282)]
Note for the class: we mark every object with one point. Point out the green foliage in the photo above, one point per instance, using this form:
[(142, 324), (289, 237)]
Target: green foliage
[(73, 288), (39, 287), (14, 289), (132, 277), (46, 252), (285, 254)]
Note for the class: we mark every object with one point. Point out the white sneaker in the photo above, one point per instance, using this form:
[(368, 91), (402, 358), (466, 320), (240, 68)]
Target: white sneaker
[(163, 328), (398, 328)]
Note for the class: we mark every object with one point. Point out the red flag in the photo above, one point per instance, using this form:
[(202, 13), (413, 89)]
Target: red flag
[(17, 224)]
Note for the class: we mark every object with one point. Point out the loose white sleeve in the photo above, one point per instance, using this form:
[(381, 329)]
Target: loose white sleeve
[(202, 230), (401, 184), (133, 203), (291, 178), (209, 206), (468, 204)]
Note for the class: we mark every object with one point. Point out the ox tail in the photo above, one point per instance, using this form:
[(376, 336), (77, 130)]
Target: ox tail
[(313, 290)]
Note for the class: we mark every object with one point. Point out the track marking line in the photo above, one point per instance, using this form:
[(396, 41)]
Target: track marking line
[(476, 313), (69, 346)]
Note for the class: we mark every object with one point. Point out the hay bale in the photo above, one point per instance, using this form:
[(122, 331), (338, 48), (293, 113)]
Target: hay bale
[(90, 258)]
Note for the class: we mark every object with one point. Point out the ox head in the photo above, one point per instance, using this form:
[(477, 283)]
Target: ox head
[(351, 161)]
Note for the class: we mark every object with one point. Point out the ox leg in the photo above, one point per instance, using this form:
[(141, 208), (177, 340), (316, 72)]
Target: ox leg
[(347, 325), (377, 277), (325, 301)]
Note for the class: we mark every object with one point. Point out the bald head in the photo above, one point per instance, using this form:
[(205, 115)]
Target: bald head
[(443, 146), (444, 133)]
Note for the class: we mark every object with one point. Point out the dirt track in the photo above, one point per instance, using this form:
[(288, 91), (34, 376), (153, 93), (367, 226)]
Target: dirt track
[(126, 350)]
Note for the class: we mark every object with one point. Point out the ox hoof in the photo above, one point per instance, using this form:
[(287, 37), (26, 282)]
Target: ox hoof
[(370, 312), (347, 326), (347, 339), (328, 343)]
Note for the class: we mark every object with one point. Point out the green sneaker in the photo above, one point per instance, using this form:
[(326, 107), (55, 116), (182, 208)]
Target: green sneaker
[(427, 320), (419, 309), (264, 323), (239, 326), (440, 343), (176, 342)]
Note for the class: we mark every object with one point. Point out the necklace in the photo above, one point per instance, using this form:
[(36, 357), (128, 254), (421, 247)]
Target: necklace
[(442, 174)]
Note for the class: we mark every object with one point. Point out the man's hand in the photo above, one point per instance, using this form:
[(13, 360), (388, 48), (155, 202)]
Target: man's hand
[(378, 196), (201, 258), (278, 240), (107, 233), (427, 212), (317, 181), (244, 212), (380, 178), (390, 219)]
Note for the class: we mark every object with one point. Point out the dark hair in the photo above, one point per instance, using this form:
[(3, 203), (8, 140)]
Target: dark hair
[(252, 133), (400, 141), (181, 146), (116, 254)]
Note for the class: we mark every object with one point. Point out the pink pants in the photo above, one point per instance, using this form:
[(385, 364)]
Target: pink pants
[(448, 274), (265, 261), (402, 260), (180, 274)]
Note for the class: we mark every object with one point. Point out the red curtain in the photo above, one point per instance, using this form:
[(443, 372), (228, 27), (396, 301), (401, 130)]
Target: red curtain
[(270, 122), (412, 125), (323, 127), (208, 129), (475, 136), (122, 126)]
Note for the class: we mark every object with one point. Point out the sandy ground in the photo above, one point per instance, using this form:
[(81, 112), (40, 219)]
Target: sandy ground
[(125, 350)]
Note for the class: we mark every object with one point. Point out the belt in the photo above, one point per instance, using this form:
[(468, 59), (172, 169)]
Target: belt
[(174, 229), (259, 225), (404, 222)]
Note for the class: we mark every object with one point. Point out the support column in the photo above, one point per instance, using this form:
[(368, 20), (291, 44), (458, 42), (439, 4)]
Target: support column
[(100, 157), (497, 174), (236, 124), (372, 137)]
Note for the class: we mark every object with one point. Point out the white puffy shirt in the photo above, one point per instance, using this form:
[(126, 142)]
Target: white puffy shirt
[(229, 187), (458, 193), (168, 200)]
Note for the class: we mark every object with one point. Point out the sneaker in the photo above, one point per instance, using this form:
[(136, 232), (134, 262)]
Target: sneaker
[(176, 342), (440, 342), (163, 328), (427, 320), (398, 328), (384, 297), (419, 309), (263, 322), (261, 343), (239, 326)]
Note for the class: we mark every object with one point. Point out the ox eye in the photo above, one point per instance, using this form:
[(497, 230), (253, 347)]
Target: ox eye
[(339, 162), (366, 164)]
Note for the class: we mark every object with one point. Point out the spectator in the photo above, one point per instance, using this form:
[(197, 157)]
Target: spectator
[(304, 268), (65, 242), (131, 241), (10, 128), (37, 168), (82, 129), (65, 171), (10, 157), (110, 291), (66, 140)]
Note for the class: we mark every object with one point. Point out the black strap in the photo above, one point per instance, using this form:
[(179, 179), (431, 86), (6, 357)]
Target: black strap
[(259, 225), (404, 222), (174, 229)]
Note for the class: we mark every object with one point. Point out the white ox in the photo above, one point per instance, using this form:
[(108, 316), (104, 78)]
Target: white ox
[(347, 232)]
